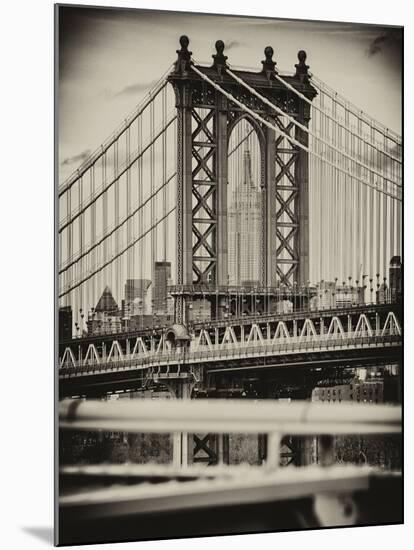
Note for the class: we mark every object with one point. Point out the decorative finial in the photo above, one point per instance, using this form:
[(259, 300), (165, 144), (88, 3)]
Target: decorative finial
[(268, 63), (301, 67), (182, 64), (219, 58)]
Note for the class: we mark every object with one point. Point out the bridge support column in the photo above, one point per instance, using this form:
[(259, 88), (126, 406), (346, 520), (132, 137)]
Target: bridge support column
[(302, 203), (180, 389), (269, 218), (220, 122), (184, 197)]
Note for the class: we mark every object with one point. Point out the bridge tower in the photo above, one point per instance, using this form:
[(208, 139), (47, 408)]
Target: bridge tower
[(206, 119)]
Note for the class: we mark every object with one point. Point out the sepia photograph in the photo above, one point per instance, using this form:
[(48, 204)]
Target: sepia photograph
[(229, 274)]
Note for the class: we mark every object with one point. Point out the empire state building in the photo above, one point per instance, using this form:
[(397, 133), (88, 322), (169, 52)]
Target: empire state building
[(244, 222)]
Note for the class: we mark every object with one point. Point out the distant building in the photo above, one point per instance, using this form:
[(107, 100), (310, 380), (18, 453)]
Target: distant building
[(201, 310), (283, 306), (347, 296), (395, 279), (367, 391), (106, 302), (170, 299), (65, 323), (382, 294), (393, 291), (104, 323), (325, 297), (330, 295), (244, 222), (162, 274), (140, 322), (106, 317), (136, 297)]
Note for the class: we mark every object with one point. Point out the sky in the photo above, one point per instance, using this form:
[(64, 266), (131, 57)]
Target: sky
[(110, 59)]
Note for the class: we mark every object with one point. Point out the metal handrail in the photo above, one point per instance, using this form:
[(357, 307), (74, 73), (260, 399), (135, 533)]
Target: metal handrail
[(229, 416)]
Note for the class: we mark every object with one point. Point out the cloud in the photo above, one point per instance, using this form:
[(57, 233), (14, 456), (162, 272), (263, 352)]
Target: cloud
[(389, 40), (76, 158), (232, 44), (134, 88)]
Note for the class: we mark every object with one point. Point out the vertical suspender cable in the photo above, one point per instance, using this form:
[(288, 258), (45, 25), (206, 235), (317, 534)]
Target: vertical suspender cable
[(385, 227), (371, 218), (328, 190), (152, 221), (164, 174), (392, 221), (128, 202), (80, 236), (361, 266), (106, 272), (366, 221), (93, 239), (69, 250), (321, 216), (377, 159), (352, 213), (335, 185), (140, 214)]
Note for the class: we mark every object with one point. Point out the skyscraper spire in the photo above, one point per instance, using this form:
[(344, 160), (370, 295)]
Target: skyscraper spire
[(247, 172)]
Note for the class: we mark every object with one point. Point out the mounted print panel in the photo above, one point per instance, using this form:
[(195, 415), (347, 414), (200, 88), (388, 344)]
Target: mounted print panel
[(229, 274)]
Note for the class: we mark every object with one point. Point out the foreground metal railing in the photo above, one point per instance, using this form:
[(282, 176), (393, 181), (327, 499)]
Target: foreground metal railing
[(231, 416), (326, 494)]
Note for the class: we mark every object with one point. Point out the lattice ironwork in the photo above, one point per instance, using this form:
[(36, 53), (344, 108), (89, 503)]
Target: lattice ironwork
[(287, 193), (204, 184), (205, 449)]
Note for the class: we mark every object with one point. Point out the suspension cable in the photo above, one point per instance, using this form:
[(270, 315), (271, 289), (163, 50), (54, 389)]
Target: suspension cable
[(364, 117), (116, 256), (280, 132), (105, 187), (105, 146), (109, 233), (305, 128), (336, 121)]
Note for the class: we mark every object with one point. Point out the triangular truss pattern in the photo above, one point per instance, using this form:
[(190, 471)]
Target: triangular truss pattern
[(139, 348), (91, 356), (281, 332), (203, 340), (336, 330), (363, 327), (255, 334), (115, 352), (229, 336), (68, 359), (308, 330), (391, 325)]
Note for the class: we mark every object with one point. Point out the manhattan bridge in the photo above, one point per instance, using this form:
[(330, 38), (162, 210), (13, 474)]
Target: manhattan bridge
[(306, 289)]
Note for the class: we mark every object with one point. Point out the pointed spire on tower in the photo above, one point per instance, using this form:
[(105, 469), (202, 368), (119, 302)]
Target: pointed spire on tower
[(106, 302)]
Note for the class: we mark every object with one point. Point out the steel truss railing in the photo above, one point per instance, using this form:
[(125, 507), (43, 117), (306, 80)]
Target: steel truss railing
[(228, 352)]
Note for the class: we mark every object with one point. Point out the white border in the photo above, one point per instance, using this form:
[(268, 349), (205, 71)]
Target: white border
[(26, 267)]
